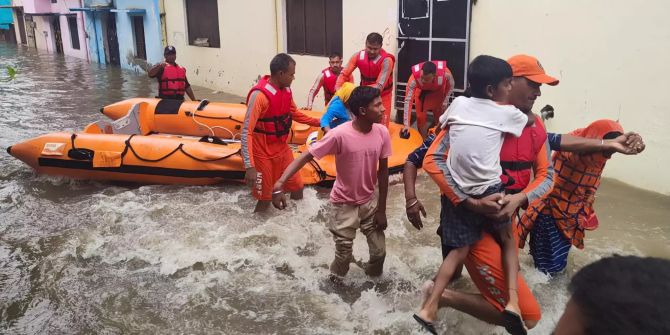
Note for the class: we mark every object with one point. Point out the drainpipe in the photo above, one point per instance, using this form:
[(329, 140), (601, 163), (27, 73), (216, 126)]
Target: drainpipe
[(277, 26), (95, 32), (83, 25)]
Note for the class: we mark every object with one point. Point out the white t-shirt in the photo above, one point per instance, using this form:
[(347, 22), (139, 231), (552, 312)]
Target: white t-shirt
[(477, 129)]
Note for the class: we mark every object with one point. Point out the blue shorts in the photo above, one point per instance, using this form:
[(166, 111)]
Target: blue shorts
[(548, 246)]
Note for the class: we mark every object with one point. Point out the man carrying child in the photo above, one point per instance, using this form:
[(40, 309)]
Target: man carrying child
[(476, 129)]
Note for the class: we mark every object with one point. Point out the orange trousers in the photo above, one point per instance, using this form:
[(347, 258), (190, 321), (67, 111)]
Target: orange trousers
[(428, 101), (387, 102)]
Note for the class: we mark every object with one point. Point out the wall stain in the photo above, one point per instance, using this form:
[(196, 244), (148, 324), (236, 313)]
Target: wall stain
[(139, 65)]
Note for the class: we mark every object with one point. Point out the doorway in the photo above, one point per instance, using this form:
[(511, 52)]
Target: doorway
[(112, 40), (58, 37), (22, 25), (30, 31)]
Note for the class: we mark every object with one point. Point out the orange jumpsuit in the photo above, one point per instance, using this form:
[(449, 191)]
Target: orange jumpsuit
[(385, 76), (424, 101), (269, 158)]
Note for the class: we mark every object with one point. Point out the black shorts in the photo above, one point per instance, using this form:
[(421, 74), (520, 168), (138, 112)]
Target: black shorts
[(461, 227)]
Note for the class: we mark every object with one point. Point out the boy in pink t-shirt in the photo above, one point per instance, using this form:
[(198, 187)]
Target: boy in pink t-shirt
[(361, 148)]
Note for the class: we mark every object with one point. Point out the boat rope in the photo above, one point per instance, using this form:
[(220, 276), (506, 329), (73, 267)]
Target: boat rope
[(180, 148), (211, 128)]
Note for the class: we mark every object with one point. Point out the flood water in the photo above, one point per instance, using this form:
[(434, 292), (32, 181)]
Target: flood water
[(81, 257)]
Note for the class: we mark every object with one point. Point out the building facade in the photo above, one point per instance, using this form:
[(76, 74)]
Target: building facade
[(127, 33), (49, 25)]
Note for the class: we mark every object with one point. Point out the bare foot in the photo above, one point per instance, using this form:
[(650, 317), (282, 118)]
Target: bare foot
[(426, 290)]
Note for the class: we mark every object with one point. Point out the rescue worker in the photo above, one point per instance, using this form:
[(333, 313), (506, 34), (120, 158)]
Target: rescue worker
[(428, 89), (172, 82), (267, 124), (326, 79), (376, 68)]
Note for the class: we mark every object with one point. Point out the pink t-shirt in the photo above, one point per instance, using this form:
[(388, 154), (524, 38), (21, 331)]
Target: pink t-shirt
[(356, 158)]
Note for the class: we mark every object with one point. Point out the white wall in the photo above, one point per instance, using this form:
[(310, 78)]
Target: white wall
[(248, 42), (253, 32), (612, 58)]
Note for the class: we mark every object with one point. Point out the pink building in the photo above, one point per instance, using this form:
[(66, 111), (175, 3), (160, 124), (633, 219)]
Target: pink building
[(51, 26)]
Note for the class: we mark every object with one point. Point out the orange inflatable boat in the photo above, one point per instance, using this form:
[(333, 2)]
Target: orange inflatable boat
[(198, 118), (131, 149)]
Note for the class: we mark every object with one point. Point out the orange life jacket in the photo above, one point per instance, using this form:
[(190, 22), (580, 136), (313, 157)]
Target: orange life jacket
[(440, 75), (518, 154), (576, 181), (276, 121), (329, 80), (172, 81), (370, 69)]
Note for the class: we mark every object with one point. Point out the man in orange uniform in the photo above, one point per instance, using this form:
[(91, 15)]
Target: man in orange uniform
[(267, 124), (172, 82), (376, 68), (428, 88), (326, 79)]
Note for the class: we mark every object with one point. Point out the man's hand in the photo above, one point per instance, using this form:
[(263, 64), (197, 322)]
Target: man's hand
[(619, 145), (278, 199), (489, 205), (414, 212), (510, 203), (250, 177), (380, 220), (404, 132), (634, 140)]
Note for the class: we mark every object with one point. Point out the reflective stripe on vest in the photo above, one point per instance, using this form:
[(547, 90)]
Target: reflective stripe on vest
[(440, 75), (370, 70)]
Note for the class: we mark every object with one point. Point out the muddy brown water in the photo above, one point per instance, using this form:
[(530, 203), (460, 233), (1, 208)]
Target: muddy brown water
[(81, 257)]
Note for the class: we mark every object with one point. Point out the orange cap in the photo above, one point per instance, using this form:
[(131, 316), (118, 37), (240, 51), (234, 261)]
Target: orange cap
[(530, 67)]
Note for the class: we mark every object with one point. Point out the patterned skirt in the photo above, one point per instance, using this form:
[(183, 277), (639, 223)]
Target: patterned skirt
[(548, 246)]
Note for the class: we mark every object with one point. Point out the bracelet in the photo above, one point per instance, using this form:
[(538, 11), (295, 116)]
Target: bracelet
[(412, 205), (277, 192)]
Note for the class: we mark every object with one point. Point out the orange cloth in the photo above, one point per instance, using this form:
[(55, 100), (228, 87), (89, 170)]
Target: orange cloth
[(570, 202), (484, 264), (269, 171)]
